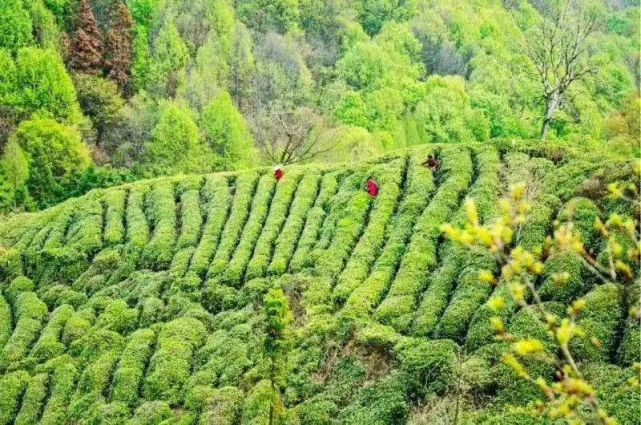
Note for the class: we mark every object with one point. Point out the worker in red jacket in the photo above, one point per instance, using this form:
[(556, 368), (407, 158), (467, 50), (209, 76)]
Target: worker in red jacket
[(372, 188), (432, 163), (279, 173)]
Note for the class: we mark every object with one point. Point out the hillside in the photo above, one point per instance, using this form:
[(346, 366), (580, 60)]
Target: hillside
[(143, 303)]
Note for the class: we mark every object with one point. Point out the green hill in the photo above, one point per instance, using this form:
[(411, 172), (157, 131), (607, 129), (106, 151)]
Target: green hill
[(144, 303)]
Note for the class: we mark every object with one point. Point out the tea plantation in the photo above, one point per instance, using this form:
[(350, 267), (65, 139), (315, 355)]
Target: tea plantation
[(144, 303)]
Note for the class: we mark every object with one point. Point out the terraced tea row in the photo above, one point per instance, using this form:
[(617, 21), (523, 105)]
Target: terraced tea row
[(144, 303)]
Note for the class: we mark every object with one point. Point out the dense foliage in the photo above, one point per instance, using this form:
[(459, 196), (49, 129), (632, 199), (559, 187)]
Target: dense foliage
[(233, 84), (235, 298)]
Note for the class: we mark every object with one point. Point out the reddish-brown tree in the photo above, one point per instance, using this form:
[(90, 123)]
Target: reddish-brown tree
[(86, 48), (119, 47)]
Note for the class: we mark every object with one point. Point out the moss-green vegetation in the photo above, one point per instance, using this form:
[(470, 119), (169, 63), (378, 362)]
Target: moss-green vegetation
[(152, 302)]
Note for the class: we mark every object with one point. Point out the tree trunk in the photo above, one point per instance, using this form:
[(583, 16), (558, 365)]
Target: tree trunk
[(551, 104)]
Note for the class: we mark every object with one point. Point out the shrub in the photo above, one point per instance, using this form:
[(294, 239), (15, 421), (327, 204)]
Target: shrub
[(279, 211), (137, 227), (11, 259), (381, 403), (328, 187), (583, 214), (615, 396), (533, 234), (223, 360), (427, 366), (511, 416), (244, 191), (115, 201), (372, 237), (17, 286), (179, 266), (257, 403), (190, 220), (49, 345), (419, 188), (6, 322), (118, 317), (629, 352), (95, 378), (61, 387), (84, 234), (216, 207), (152, 413), (77, 326), (108, 413), (160, 207), (94, 344), (129, 373), (62, 265), (218, 297), (435, 298), (420, 254), (601, 318), (222, 406), (33, 400), (528, 322), (58, 295), (30, 313), (469, 295), (349, 212), (235, 270), (13, 385), (170, 364), (289, 236)]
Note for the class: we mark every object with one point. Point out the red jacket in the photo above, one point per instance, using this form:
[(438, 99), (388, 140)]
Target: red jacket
[(372, 188), (279, 173)]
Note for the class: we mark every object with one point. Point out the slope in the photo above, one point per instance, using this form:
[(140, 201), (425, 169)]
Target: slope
[(143, 303)]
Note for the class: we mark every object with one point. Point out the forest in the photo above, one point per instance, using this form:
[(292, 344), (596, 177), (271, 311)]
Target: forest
[(99, 92)]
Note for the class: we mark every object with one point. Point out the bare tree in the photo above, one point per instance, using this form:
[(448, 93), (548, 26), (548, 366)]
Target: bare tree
[(559, 49), (287, 137)]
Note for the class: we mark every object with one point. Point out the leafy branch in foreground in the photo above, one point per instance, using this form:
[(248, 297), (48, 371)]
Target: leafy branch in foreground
[(570, 396)]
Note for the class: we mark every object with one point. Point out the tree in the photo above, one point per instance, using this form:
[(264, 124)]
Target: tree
[(144, 11), (15, 25), (8, 93), (242, 64), (269, 15), (170, 56), (559, 49), (176, 145), (45, 30), (15, 167), (279, 115), (86, 49), (119, 47), (141, 66), (55, 154), (277, 339), (125, 140), (43, 86), (288, 137), (445, 115), (227, 133), (100, 100)]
